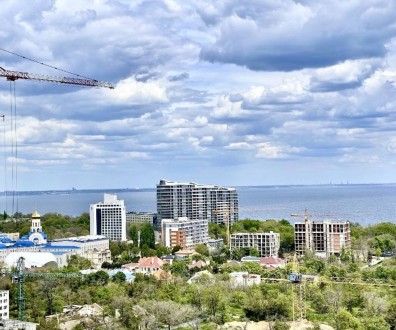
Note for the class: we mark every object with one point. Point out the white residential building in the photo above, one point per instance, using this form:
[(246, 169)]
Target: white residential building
[(108, 218), (195, 201), (321, 237), (4, 304), (267, 244), (184, 232)]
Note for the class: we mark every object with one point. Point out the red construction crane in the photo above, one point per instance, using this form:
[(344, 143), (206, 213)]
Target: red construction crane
[(14, 75)]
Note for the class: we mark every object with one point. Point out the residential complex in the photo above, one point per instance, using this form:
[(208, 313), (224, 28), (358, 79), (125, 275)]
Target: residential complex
[(141, 217), (184, 232), (108, 218), (197, 202), (267, 244), (321, 237)]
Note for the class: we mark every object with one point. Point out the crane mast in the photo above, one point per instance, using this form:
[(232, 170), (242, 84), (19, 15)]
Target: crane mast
[(15, 75)]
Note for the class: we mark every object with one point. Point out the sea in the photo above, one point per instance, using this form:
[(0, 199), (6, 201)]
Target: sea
[(361, 203)]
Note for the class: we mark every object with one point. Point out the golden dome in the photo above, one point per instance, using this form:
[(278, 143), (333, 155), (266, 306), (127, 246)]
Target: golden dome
[(35, 214)]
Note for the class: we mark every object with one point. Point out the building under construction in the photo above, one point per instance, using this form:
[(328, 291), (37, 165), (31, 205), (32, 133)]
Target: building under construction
[(321, 237), (267, 244)]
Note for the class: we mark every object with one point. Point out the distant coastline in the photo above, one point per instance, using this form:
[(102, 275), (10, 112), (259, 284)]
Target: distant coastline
[(123, 190)]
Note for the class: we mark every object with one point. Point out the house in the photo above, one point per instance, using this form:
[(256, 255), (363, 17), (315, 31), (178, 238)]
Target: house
[(168, 259), (185, 253), (132, 266), (243, 279), (149, 265), (272, 262)]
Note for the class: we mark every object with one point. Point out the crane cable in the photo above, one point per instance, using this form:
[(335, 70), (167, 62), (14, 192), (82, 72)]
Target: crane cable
[(14, 148), (5, 168), (44, 64)]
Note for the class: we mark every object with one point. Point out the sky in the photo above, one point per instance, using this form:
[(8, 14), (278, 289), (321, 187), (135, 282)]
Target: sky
[(226, 92)]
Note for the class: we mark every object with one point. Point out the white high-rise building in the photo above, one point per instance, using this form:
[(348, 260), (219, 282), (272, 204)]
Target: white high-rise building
[(108, 218), (196, 202), (267, 244), (184, 232)]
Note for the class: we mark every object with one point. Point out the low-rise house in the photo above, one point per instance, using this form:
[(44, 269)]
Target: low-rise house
[(168, 259), (243, 279), (149, 265), (132, 266), (185, 253), (272, 262)]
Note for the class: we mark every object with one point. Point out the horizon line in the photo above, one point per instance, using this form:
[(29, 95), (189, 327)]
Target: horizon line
[(151, 188)]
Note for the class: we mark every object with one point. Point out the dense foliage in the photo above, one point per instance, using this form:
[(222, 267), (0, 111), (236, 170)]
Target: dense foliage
[(54, 225), (344, 293)]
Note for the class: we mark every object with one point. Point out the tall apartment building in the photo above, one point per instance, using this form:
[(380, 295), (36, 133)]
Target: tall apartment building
[(267, 244), (184, 232), (4, 304), (197, 202), (321, 237), (108, 218)]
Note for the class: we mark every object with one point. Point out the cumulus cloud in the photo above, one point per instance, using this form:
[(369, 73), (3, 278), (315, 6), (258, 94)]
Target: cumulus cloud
[(346, 75), (288, 35), (234, 87)]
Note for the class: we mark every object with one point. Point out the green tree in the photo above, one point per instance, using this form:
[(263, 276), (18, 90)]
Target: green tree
[(344, 320), (119, 277), (176, 248), (77, 263), (202, 249), (133, 234), (147, 236), (162, 250)]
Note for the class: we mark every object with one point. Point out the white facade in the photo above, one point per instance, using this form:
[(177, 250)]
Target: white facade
[(4, 304), (94, 248), (267, 244), (195, 201), (190, 232), (108, 218)]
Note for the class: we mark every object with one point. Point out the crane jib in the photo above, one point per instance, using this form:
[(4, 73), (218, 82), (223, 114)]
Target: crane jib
[(14, 75)]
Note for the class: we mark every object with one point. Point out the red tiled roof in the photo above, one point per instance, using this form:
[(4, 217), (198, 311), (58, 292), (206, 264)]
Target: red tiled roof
[(151, 262), (271, 261)]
